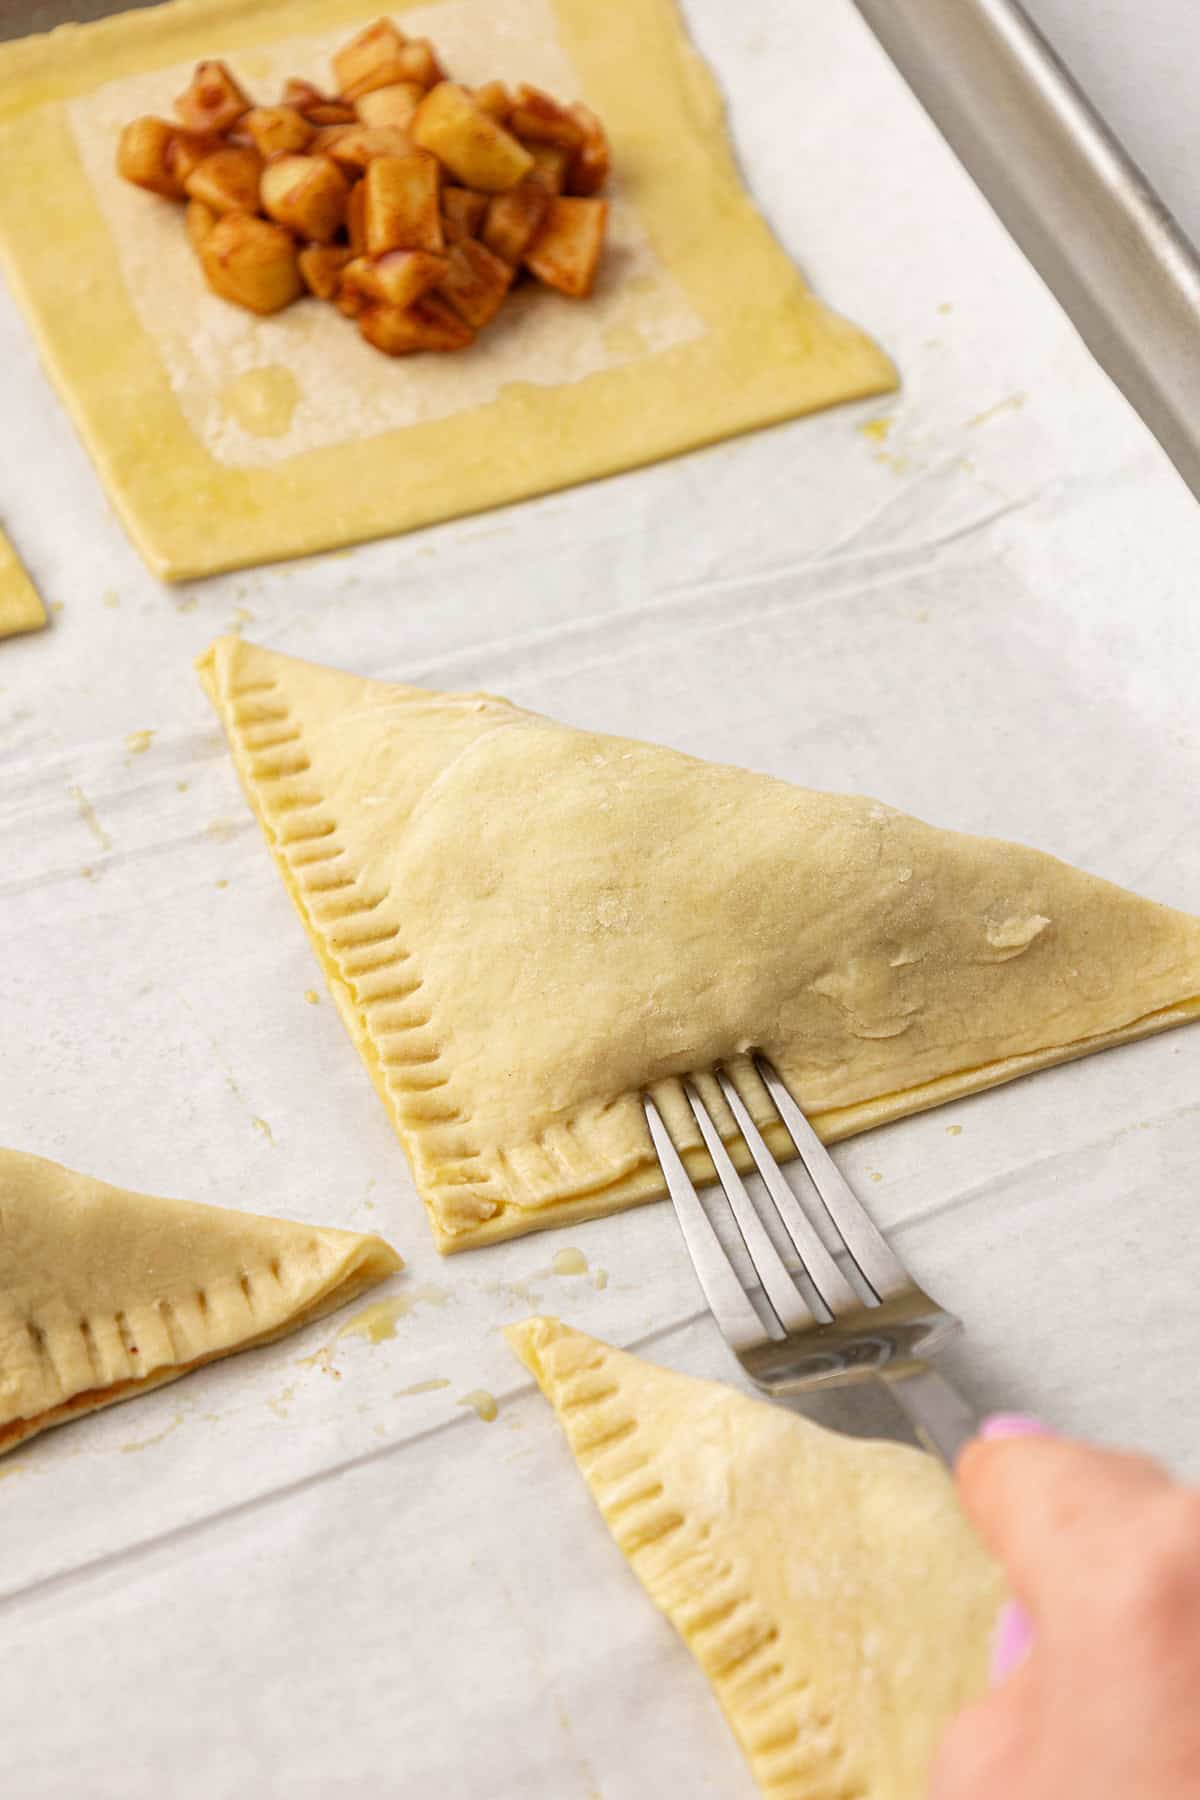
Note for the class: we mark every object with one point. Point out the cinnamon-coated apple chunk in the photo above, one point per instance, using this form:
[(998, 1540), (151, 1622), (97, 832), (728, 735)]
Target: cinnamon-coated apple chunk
[(463, 213), (213, 100), (391, 105), (308, 194), (227, 180), (370, 60), (429, 325), (395, 279), (475, 283), (494, 99), (480, 152), (188, 150), (198, 221), (321, 267), (356, 218), (566, 251), (251, 262), (513, 220), (277, 130), (332, 112), (537, 119), (589, 167), (401, 203), (418, 59), (144, 157), (549, 166), (352, 147)]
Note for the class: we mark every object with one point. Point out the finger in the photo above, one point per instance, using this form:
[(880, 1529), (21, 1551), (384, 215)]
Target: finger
[(980, 1752), (1049, 1508)]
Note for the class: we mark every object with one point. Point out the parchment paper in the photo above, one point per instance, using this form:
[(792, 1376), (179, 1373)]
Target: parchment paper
[(285, 1575)]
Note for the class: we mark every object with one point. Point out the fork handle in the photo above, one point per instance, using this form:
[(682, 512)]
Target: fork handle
[(942, 1419)]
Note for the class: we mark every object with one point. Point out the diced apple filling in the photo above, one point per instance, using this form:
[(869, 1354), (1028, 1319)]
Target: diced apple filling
[(409, 202)]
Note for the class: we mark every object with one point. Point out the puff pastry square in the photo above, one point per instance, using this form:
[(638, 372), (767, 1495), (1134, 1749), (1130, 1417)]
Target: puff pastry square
[(225, 440), (21, 606), (829, 1587), (105, 1293), (525, 925)]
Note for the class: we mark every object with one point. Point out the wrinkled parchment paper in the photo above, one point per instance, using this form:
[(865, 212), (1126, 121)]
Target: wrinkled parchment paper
[(287, 1574)]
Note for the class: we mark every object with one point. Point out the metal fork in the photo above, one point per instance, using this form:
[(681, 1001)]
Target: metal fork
[(876, 1324)]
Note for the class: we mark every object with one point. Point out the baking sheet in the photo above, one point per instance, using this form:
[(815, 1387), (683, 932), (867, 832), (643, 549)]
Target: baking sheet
[(288, 1575)]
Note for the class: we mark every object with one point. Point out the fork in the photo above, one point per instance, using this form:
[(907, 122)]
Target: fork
[(826, 1328)]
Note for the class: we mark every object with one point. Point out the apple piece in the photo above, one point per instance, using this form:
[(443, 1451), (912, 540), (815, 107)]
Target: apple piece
[(589, 166), (401, 203), (332, 112), (321, 267), (418, 59), (305, 193), (301, 94), (481, 153), (396, 279), (513, 220), (213, 100), (370, 60), (198, 221), (251, 262), (189, 149), (550, 163), (537, 119), (356, 145), (227, 180), (462, 212), (494, 99), (356, 218), (144, 156), (278, 130), (475, 283), (325, 138), (391, 105), (429, 325), (566, 251)]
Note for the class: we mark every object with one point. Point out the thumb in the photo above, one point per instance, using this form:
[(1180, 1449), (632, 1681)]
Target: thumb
[(1048, 1508)]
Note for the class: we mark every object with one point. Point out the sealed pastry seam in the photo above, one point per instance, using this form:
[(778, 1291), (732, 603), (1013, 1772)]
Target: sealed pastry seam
[(524, 926), (828, 1587), (105, 1293)]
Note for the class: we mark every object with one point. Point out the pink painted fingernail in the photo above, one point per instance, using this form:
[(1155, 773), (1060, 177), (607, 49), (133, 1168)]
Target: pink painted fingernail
[(1012, 1425), (1012, 1643)]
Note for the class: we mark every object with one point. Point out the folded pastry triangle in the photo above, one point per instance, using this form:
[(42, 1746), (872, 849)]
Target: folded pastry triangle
[(105, 1293), (829, 1587), (524, 925)]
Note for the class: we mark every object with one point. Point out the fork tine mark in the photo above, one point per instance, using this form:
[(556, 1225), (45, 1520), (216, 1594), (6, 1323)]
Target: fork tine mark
[(835, 1291), (740, 1324), (876, 1263), (790, 1308)]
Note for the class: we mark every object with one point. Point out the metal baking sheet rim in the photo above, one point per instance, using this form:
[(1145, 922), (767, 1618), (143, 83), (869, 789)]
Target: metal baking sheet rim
[(1063, 185), (1068, 192)]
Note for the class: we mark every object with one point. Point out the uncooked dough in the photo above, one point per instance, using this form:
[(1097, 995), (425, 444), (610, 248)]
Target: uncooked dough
[(524, 926), (105, 1294), (829, 1587), (21, 606)]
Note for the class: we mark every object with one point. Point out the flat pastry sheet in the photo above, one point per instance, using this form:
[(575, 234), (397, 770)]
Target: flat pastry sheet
[(982, 611), (226, 440)]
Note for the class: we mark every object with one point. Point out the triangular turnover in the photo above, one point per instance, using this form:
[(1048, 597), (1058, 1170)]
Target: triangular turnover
[(828, 1586), (526, 925), (105, 1293)]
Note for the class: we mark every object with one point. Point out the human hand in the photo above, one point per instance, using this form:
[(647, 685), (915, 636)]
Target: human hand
[(1102, 1550)]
